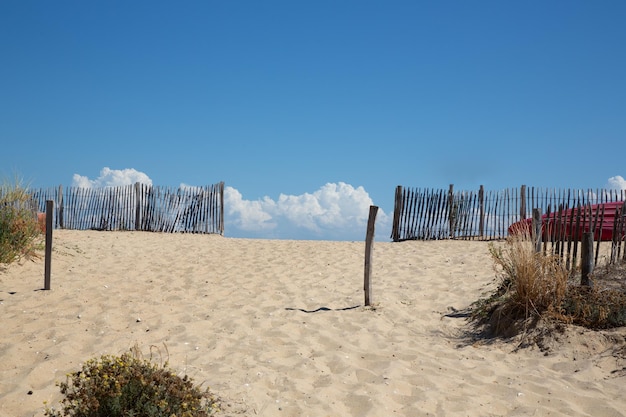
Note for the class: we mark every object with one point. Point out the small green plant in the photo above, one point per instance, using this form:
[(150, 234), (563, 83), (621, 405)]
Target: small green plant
[(131, 386), (20, 233)]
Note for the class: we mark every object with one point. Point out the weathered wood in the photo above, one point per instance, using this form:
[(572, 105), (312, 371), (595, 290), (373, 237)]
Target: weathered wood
[(397, 214), (536, 229), (139, 207), (587, 263), (522, 205), (138, 202), (595, 228), (61, 208), (452, 212), (481, 219), (369, 245), (221, 207), (48, 251)]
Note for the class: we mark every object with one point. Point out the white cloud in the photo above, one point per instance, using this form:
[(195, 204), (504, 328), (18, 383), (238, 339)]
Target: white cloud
[(112, 177), (616, 183), (337, 211), (246, 215)]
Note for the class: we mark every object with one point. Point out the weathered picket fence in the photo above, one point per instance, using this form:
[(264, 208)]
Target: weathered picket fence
[(137, 207), (426, 214)]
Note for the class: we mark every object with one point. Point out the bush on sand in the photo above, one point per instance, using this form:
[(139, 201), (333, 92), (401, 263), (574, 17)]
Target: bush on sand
[(531, 285), (20, 233), (129, 385), (534, 286)]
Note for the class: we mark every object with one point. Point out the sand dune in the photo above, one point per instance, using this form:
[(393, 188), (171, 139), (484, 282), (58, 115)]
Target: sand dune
[(278, 328)]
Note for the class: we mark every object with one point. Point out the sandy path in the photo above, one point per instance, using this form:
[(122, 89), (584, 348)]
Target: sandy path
[(278, 328)]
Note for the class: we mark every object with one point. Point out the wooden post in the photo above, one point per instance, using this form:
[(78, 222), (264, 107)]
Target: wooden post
[(536, 229), (221, 208), (481, 202), (137, 206), (61, 208), (369, 243), (522, 204), (452, 211), (586, 259), (397, 212), (48, 261)]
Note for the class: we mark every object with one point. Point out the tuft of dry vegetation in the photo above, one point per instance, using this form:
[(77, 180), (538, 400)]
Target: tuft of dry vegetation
[(20, 233), (130, 385), (533, 287)]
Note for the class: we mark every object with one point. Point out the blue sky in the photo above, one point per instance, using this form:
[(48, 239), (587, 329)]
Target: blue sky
[(310, 111)]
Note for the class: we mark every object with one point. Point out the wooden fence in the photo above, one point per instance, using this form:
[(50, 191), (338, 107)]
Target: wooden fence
[(137, 207), (425, 214)]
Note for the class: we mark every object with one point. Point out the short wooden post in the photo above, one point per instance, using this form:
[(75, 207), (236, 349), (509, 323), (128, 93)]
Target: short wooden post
[(522, 203), (397, 212), (481, 202), (536, 229), (138, 190), (48, 261), (369, 243), (61, 208), (221, 208), (452, 212), (586, 266)]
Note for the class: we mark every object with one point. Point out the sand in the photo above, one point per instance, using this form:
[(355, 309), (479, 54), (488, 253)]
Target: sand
[(278, 328)]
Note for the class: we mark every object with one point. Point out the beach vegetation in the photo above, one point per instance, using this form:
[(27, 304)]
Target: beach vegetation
[(20, 233), (534, 287), (131, 386)]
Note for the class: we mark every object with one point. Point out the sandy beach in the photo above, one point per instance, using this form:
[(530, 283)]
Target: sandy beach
[(278, 328)]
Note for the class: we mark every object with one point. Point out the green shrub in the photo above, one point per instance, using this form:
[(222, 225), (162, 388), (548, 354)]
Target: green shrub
[(20, 234), (131, 386)]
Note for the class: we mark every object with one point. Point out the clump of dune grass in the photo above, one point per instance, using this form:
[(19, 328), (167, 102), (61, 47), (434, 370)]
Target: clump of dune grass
[(603, 305), (535, 285), (131, 385), (20, 233), (531, 285)]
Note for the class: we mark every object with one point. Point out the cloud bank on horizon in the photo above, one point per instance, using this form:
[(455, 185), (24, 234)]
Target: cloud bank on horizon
[(336, 211)]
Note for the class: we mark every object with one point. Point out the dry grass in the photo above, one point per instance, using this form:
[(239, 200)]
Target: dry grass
[(533, 286), (20, 233), (602, 306)]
